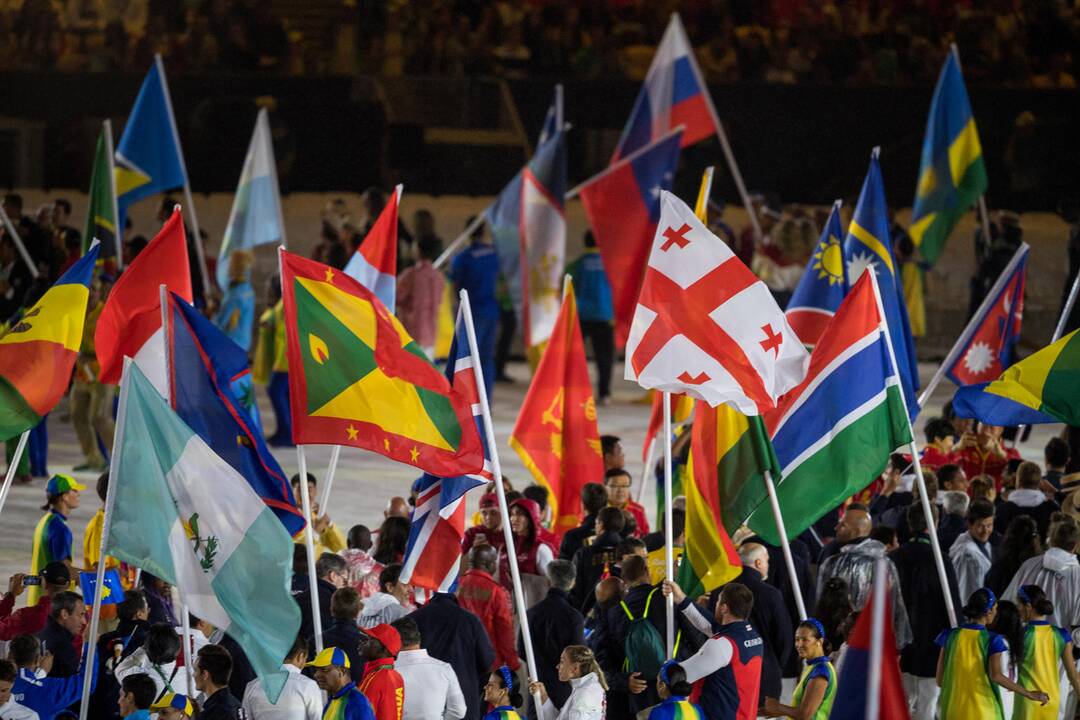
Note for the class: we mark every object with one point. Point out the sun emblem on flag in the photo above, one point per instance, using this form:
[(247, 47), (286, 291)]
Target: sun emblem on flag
[(829, 260), (858, 264), (979, 358), (205, 548)]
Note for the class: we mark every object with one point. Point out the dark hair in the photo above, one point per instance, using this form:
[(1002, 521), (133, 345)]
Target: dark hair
[(980, 603), (538, 494), (1065, 534), (883, 534), (345, 604), (513, 495), (627, 546), (103, 485), (65, 600), (142, 688), (388, 575), (738, 598), (217, 662), (916, 518), (678, 522), (617, 472), (299, 559), (1028, 475), (817, 627), (429, 247), (833, 608), (1020, 543), (979, 509), (63, 203), (295, 480), (515, 692), (1034, 596), (393, 538), (408, 630), (358, 536), (947, 472), (1008, 624), (589, 239), (939, 427), (636, 568), (8, 671), (330, 562), (162, 644), (300, 644), (612, 518), (24, 650), (676, 679), (608, 443), (593, 498), (129, 607), (1056, 452), (897, 462)]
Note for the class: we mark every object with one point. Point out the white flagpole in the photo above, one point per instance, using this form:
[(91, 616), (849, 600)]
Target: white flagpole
[(669, 553), (931, 528), (496, 471), (189, 649), (877, 640), (309, 543), (328, 481), (785, 546), (118, 232), (973, 323), (187, 182), (18, 244), (650, 455), (90, 638), (13, 466), (459, 240)]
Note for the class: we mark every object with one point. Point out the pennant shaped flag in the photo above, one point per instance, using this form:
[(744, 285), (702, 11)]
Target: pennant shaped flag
[(255, 218), (988, 349), (148, 157), (114, 590), (623, 207), (356, 377), (185, 515), (674, 94), (38, 351), (130, 323), (101, 203), (834, 432), (952, 174), (433, 554), (705, 325), (205, 368), (822, 287), (556, 434), (374, 264), (868, 244)]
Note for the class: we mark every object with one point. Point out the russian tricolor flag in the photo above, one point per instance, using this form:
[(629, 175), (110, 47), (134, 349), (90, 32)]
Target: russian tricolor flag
[(674, 94), (374, 263)]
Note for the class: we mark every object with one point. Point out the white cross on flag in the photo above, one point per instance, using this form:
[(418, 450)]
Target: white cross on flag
[(705, 325)]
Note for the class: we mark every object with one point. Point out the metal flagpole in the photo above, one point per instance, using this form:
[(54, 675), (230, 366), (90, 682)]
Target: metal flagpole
[(18, 243), (189, 643), (973, 324), (110, 500), (13, 466), (785, 546), (118, 231), (496, 471), (877, 638), (924, 501), (187, 182), (309, 543), (328, 481), (669, 553), (459, 240)]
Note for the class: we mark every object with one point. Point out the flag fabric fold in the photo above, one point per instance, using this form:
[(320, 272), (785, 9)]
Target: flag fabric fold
[(623, 207), (356, 377), (972, 401), (185, 515), (374, 264), (869, 244), (834, 432), (39, 349), (822, 286), (255, 218), (952, 173), (130, 323), (674, 94), (705, 325), (556, 434), (101, 204), (206, 371)]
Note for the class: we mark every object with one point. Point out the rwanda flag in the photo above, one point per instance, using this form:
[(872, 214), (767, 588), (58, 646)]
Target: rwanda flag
[(101, 213), (148, 157), (951, 175), (356, 377)]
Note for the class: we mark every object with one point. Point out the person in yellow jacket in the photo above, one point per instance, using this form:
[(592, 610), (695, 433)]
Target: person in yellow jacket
[(271, 367), (327, 536)]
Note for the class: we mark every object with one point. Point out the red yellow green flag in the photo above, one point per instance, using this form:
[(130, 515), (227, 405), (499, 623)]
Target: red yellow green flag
[(357, 378)]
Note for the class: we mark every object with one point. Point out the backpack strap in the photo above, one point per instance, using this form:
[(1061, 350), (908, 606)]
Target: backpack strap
[(626, 610), (648, 601)]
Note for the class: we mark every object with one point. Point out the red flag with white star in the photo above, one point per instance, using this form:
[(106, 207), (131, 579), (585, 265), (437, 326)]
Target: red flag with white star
[(705, 325)]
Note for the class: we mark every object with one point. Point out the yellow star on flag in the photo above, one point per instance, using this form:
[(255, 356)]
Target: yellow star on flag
[(352, 432), (329, 275), (414, 453), (386, 444)]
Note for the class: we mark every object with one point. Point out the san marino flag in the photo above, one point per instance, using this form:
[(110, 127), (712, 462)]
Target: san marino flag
[(184, 514), (255, 218)]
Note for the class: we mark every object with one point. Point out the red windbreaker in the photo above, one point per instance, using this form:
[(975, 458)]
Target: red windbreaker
[(383, 687)]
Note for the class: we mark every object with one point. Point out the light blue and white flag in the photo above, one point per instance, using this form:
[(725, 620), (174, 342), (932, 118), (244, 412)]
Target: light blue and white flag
[(182, 513), (255, 218)]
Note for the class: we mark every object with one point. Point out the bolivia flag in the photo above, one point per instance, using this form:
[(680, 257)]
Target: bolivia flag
[(374, 263), (38, 351), (1047, 382)]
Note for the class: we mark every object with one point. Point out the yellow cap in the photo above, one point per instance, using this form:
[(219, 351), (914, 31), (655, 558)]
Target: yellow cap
[(330, 656)]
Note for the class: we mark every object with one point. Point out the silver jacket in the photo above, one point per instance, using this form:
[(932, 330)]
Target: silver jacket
[(855, 563)]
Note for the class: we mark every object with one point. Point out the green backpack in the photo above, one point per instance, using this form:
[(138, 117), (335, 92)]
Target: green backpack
[(643, 647)]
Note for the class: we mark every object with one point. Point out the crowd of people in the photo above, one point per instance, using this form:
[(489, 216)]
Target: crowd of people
[(1030, 43)]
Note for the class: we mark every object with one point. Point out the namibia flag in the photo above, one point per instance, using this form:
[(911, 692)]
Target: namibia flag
[(357, 378)]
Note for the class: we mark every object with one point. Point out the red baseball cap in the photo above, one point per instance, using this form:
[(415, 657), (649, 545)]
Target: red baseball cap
[(489, 500), (387, 635)]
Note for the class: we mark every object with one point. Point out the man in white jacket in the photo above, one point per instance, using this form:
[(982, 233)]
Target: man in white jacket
[(432, 690), (157, 658), (970, 552), (300, 699)]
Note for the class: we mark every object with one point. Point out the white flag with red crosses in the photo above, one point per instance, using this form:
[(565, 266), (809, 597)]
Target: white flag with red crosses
[(705, 325)]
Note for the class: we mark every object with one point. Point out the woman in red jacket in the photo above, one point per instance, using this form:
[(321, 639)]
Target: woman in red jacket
[(534, 544)]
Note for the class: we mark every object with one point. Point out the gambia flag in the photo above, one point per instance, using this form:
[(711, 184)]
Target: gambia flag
[(38, 350), (729, 454), (357, 378), (101, 208)]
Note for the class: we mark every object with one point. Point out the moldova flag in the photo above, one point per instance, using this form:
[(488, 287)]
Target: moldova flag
[(623, 206), (374, 263), (674, 94), (38, 351), (822, 287)]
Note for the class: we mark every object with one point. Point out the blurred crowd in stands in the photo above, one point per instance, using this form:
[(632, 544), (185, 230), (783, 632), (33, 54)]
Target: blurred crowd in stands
[(1010, 42)]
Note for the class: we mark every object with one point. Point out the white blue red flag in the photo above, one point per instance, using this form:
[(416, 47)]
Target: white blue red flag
[(433, 554), (822, 287), (674, 94), (374, 263), (988, 349)]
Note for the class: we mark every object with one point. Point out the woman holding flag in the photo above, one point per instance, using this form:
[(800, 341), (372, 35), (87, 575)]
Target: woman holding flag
[(816, 689)]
